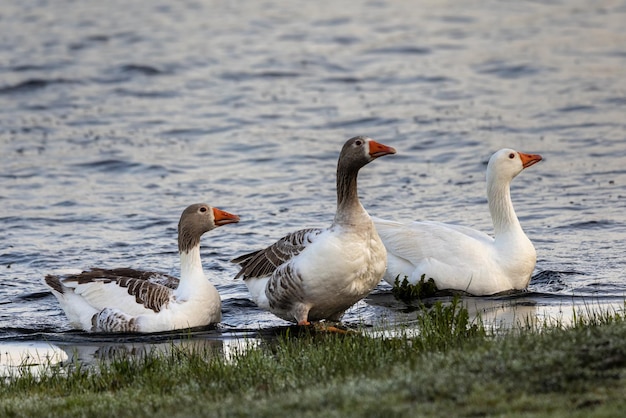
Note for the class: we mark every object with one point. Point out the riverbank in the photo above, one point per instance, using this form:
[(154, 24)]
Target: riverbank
[(455, 367)]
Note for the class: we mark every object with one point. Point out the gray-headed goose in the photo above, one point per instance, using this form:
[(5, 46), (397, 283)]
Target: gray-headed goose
[(128, 300), (315, 274)]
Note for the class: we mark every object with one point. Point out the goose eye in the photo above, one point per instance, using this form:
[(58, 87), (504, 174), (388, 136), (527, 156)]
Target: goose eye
[(203, 209), (511, 155), (358, 142)]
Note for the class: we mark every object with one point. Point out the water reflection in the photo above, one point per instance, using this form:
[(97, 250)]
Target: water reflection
[(36, 357), (388, 317), (522, 310), (18, 358)]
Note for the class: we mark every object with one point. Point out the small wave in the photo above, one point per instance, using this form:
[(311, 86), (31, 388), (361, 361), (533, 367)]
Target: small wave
[(619, 101), (577, 108), (337, 21), (371, 121), (402, 50), (346, 79), (242, 75), (32, 85), (65, 203), (113, 165), (457, 19), (141, 69), (88, 42), (33, 296), (37, 67), (603, 224), (507, 71), (108, 165), (346, 40), (179, 133), (551, 280), (414, 80), (160, 94)]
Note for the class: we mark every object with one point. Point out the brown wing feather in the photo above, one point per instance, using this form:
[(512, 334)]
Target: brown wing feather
[(150, 276), (264, 262), (151, 289)]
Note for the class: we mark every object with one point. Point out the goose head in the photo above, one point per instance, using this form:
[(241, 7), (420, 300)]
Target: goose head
[(361, 150), (198, 219), (506, 164)]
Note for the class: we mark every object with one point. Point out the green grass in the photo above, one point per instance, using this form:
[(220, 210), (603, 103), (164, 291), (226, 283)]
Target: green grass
[(453, 367)]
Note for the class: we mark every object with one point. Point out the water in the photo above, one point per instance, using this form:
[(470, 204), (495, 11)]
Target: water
[(114, 116)]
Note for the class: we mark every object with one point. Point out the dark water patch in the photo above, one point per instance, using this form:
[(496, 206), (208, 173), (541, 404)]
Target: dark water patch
[(150, 223), (121, 166), (337, 21), (65, 203), (457, 19), (32, 84), (322, 62), (590, 225), (88, 42), (33, 296), (553, 280), (23, 175), (297, 37), (34, 222), (246, 75), (181, 133), (360, 122), (22, 68), (237, 303), (395, 80), (615, 101), (45, 333), (98, 38), (38, 332), (141, 69), (107, 166), (577, 108), (401, 50), (451, 47), (147, 94), (346, 40), (543, 129), (617, 53), (453, 95), (345, 79), (506, 70)]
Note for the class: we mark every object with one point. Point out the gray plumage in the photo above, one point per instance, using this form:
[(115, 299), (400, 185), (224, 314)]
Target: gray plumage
[(263, 262), (149, 288), (98, 299), (292, 277)]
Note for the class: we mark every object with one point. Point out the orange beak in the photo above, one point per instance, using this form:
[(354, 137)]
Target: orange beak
[(529, 159), (222, 217), (378, 150)]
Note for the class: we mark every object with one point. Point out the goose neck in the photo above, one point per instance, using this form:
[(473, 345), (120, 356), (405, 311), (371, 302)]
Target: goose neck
[(501, 208), (191, 272), (349, 208)]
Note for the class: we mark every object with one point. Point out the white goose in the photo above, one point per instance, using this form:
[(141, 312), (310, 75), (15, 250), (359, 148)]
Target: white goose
[(462, 258), (127, 300), (315, 274)]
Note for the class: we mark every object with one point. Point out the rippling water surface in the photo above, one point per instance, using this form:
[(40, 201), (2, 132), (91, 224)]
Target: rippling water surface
[(114, 116)]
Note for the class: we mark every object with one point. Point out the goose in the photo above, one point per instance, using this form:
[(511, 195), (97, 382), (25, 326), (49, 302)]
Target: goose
[(461, 258), (316, 274), (129, 300)]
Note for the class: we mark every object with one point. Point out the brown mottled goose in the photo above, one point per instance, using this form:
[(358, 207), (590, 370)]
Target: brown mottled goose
[(315, 274), (461, 258), (127, 300)]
